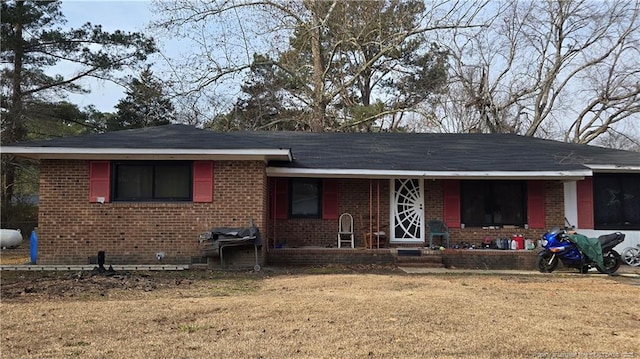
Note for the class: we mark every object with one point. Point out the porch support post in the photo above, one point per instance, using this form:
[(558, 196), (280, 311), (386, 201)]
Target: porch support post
[(370, 214), (273, 212), (378, 212)]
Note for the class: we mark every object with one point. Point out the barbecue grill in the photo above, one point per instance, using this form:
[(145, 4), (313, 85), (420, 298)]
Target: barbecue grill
[(222, 237)]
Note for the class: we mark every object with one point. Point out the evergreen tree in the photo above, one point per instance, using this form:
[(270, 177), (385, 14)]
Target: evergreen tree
[(33, 41), (262, 105), (145, 105)]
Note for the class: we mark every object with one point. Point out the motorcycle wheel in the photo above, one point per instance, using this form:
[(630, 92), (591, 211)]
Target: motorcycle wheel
[(631, 256), (611, 262), (547, 263)]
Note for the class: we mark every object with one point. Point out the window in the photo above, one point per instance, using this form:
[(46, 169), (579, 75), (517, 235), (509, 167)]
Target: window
[(493, 203), (152, 181), (305, 198), (616, 200)]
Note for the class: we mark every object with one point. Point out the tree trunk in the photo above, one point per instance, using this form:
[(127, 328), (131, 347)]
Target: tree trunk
[(15, 129), (319, 102)]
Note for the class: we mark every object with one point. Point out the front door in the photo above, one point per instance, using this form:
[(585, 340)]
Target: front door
[(407, 213)]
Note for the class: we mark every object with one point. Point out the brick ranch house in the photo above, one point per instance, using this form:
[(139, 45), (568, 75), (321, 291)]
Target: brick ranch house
[(135, 193)]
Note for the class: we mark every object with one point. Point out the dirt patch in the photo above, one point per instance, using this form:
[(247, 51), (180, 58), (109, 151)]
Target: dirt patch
[(23, 286), (85, 285)]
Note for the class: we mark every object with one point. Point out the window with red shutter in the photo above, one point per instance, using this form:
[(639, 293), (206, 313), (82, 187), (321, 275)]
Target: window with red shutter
[(451, 197), (304, 198), (99, 181), (584, 191), (279, 198), (152, 181), (203, 181), (330, 199), (535, 204)]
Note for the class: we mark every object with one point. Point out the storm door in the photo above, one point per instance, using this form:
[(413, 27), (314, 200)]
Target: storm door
[(407, 212)]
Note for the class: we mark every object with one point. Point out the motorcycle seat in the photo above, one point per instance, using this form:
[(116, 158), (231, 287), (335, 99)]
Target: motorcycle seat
[(609, 238)]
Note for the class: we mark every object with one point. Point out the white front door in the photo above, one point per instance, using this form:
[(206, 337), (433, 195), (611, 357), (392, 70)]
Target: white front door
[(407, 212)]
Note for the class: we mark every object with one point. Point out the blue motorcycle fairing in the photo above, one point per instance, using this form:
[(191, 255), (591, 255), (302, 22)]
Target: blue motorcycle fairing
[(567, 252)]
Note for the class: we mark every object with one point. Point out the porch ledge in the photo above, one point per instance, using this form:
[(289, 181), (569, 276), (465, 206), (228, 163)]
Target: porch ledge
[(450, 258), (306, 256), (325, 249)]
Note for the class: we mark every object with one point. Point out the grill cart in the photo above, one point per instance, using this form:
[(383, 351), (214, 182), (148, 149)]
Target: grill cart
[(224, 237)]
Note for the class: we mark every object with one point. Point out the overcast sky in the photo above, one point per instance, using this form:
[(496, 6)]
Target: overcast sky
[(112, 15)]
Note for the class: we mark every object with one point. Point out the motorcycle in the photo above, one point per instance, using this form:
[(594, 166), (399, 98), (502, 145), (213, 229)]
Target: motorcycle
[(631, 255), (574, 251)]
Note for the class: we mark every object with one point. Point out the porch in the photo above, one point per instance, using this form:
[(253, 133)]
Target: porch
[(401, 208), (404, 257)]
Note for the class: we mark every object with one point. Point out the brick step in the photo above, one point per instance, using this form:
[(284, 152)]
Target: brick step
[(420, 265), (427, 258)]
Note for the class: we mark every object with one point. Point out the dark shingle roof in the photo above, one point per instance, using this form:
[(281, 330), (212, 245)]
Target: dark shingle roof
[(167, 136), (441, 152), (371, 151)]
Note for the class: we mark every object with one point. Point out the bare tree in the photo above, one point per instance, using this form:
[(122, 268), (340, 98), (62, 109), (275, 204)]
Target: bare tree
[(625, 138), (329, 61), (568, 69)]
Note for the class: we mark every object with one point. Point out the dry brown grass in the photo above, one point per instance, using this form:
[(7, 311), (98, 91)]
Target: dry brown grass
[(12, 256), (303, 315)]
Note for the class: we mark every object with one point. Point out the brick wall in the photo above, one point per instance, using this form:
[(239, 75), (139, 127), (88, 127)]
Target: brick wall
[(321, 256), (354, 199), (433, 200), (490, 259), (71, 229), (470, 259)]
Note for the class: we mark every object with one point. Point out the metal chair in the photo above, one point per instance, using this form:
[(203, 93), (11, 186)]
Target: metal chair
[(438, 228), (345, 230)]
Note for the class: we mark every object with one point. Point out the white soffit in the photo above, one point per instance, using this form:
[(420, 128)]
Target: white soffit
[(613, 168), (361, 173), (148, 153)]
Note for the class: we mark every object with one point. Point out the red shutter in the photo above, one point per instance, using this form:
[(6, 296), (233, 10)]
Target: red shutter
[(280, 198), (330, 199), (203, 181), (99, 181), (451, 197), (585, 203), (535, 204)]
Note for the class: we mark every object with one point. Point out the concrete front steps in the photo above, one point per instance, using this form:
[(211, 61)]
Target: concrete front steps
[(418, 258)]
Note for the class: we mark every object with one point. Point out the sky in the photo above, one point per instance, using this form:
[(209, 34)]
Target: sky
[(130, 16)]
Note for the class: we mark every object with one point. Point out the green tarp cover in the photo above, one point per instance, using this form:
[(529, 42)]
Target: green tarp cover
[(591, 247)]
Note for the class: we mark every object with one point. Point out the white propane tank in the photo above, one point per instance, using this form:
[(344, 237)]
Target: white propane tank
[(513, 244), (10, 238)]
